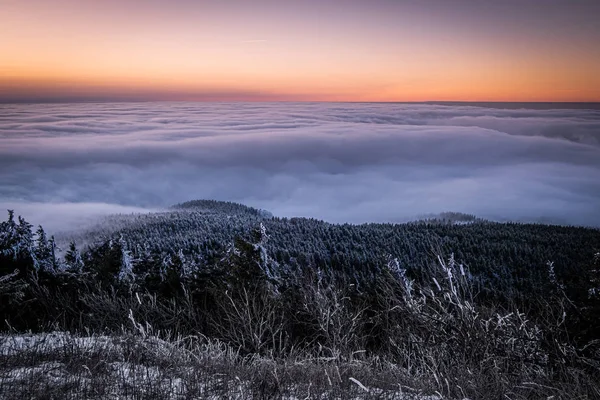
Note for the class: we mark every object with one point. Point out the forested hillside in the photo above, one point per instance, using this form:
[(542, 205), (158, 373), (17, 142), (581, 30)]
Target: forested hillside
[(514, 302), (506, 254)]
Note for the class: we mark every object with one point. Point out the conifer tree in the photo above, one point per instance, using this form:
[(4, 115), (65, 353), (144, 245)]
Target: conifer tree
[(42, 251), (73, 258), (125, 274), (16, 245)]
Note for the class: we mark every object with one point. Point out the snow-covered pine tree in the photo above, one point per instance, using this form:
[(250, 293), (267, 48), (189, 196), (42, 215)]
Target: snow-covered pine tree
[(54, 264), (172, 273), (16, 246), (73, 260), (126, 274), (248, 263), (269, 266), (42, 251), (8, 244)]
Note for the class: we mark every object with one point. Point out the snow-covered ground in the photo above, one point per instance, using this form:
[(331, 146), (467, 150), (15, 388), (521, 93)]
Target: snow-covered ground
[(61, 365)]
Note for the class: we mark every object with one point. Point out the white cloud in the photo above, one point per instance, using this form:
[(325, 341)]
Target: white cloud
[(339, 162), (58, 217)]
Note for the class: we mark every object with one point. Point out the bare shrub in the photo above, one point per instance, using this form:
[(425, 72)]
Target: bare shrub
[(439, 331), (251, 319), (335, 323)]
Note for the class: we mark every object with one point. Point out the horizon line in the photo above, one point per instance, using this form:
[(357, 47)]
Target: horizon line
[(439, 102)]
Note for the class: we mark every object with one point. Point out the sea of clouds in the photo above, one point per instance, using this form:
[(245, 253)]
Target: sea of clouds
[(61, 164)]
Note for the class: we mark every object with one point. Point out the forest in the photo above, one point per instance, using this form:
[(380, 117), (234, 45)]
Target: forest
[(451, 306)]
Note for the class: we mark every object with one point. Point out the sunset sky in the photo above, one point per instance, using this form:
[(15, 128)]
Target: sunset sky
[(309, 50)]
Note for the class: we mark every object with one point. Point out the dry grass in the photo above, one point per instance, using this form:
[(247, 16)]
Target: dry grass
[(59, 365), (323, 339)]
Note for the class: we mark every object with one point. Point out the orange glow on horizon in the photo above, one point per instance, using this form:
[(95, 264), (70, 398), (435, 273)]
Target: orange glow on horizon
[(86, 50)]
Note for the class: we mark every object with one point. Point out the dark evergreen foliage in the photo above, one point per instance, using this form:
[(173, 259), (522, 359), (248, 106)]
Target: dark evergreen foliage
[(267, 284)]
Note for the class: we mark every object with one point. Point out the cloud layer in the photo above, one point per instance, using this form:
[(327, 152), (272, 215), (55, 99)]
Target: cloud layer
[(338, 162)]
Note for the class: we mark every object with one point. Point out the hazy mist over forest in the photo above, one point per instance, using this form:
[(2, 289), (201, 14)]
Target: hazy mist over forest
[(341, 162)]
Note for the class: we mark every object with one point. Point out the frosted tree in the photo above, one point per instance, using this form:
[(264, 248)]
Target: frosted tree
[(73, 258), (126, 273), (268, 266), (16, 245), (25, 234), (262, 239), (247, 261), (8, 243), (42, 251), (9, 235)]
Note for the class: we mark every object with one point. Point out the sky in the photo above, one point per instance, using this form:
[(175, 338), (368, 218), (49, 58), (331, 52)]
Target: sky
[(64, 164), (309, 50)]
